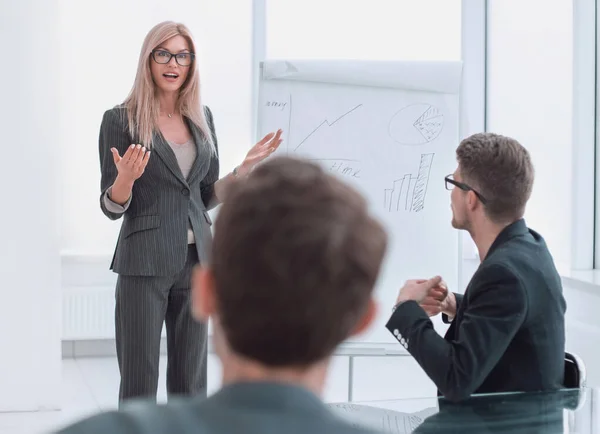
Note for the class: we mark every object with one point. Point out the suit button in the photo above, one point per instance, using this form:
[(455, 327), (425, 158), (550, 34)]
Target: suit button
[(185, 192)]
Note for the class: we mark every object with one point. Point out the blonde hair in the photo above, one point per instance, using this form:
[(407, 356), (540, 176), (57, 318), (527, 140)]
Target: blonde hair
[(142, 103)]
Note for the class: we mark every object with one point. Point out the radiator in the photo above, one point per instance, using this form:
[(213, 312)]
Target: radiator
[(88, 313), (88, 293)]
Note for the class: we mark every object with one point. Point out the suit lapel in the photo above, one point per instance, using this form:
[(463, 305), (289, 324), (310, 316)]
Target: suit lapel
[(166, 154), (199, 141)]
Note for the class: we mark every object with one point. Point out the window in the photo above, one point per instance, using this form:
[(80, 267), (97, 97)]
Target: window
[(374, 30), (529, 97)]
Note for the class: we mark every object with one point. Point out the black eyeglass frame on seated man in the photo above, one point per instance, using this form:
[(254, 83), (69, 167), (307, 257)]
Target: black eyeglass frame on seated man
[(464, 187)]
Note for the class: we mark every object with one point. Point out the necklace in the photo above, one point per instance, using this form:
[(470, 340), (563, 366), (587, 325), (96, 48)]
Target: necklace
[(170, 115)]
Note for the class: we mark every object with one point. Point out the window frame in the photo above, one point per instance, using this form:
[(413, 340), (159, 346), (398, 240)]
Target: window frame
[(585, 217)]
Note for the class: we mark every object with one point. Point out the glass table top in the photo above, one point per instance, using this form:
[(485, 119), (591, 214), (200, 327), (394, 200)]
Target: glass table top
[(564, 411)]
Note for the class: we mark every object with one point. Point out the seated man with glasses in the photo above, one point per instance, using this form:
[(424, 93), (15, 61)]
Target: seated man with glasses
[(507, 331)]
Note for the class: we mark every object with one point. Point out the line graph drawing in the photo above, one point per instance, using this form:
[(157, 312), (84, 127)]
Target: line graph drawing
[(325, 123), (409, 192), (416, 124)]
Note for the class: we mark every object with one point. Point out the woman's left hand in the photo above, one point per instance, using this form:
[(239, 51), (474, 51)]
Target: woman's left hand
[(260, 151)]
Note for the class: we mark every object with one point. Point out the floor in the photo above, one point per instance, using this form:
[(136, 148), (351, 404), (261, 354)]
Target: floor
[(90, 385)]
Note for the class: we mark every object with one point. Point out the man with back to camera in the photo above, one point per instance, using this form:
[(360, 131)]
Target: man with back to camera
[(295, 258), (507, 332)]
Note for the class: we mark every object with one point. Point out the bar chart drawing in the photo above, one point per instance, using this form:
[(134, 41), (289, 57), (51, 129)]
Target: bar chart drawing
[(409, 192)]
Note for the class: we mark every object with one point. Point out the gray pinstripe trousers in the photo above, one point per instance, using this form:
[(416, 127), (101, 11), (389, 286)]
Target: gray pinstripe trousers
[(142, 305)]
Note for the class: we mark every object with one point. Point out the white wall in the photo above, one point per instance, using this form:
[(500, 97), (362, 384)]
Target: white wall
[(530, 79), (30, 320), (100, 44)]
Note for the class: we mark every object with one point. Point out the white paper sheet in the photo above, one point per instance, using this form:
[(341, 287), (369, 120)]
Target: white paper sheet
[(382, 420), (439, 77), (394, 146)]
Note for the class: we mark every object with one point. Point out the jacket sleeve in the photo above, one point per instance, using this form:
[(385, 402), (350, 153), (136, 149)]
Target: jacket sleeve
[(113, 206), (497, 308), (207, 187), (112, 135)]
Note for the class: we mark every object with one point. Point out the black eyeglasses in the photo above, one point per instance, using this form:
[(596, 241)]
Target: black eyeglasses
[(451, 183), (163, 57)]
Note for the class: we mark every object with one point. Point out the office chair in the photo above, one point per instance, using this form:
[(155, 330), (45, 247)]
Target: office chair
[(575, 378), (575, 375)]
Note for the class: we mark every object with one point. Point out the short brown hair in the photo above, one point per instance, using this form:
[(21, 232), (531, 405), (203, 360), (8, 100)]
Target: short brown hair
[(500, 169), (295, 257)]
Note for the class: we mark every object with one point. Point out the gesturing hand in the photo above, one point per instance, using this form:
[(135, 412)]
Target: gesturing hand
[(436, 300), (133, 163), (260, 151), (418, 290)]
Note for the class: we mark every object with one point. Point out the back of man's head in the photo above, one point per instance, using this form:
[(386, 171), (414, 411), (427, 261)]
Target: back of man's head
[(295, 257), (500, 169)]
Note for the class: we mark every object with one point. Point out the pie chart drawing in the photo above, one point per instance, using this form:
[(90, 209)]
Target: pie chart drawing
[(416, 124)]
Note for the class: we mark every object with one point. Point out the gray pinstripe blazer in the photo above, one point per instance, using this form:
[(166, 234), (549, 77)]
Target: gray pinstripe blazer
[(153, 236)]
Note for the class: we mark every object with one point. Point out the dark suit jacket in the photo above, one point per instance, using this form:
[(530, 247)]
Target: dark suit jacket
[(250, 408), (153, 237), (509, 329)]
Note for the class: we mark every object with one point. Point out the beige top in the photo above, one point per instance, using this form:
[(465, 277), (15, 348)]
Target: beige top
[(186, 155)]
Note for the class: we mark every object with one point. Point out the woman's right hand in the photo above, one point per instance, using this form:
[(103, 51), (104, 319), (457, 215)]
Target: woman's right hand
[(132, 164)]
